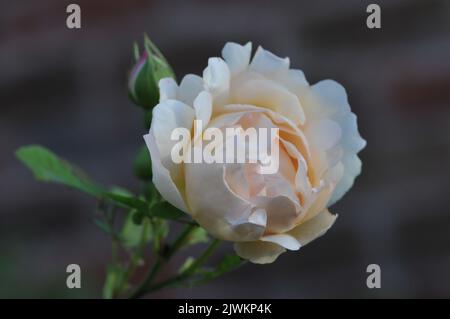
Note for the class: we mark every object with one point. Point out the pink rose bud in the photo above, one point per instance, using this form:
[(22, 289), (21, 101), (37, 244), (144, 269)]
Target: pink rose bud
[(151, 66)]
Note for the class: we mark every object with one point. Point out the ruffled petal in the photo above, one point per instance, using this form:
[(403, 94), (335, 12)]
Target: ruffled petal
[(268, 94), (216, 207), (314, 228), (203, 107), (161, 176), (216, 76), (284, 240), (333, 98), (167, 116), (168, 89), (258, 252), (191, 85), (237, 56), (267, 63)]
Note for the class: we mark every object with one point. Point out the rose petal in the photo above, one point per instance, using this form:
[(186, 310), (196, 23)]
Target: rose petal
[(237, 56), (332, 93), (267, 63), (284, 240), (323, 134), (294, 80), (282, 213), (203, 107), (215, 206), (167, 116), (302, 182), (216, 76), (168, 89), (317, 201), (316, 227), (334, 101), (258, 252), (161, 176), (265, 93), (191, 85), (352, 168)]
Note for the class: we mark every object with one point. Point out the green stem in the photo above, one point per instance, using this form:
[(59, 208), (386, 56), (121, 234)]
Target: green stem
[(189, 271), (134, 259), (109, 214), (161, 261)]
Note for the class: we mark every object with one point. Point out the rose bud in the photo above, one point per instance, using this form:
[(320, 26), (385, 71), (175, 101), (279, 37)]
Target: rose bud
[(150, 67)]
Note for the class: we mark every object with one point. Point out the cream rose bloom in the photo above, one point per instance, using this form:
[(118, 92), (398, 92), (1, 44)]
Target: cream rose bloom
[(264, 215)]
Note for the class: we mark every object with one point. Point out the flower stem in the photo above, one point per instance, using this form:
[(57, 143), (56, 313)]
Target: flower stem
[(134, 259), (161, 261), (189, 271)]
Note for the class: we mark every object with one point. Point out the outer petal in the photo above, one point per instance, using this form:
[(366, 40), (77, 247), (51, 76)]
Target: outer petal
[(352, 168), (216, 76), (333, 94), (316, 227), (267, 63), (294, 80), (237, 56), (328, 102), (258, 252), (269, 247), (161, 176), (167, 116), (203, 107), (168, 89), (324, 134), (191, 85), (284, 240)]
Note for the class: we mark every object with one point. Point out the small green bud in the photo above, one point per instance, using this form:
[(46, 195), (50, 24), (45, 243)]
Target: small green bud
[(151, 66)]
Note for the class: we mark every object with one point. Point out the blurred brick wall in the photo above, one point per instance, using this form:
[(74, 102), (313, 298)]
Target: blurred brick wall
[(66, 89)]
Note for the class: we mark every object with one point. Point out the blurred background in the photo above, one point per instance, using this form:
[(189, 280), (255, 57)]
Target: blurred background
[(66, 89)]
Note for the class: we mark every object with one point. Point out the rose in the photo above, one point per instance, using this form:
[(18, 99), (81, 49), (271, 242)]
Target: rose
[(263, 214)]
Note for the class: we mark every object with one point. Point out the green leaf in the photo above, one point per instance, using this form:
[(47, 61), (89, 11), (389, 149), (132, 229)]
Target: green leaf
[(166, 211), (121, 191), (128, 201), (161, 210), (48, 167), (113, 280)]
